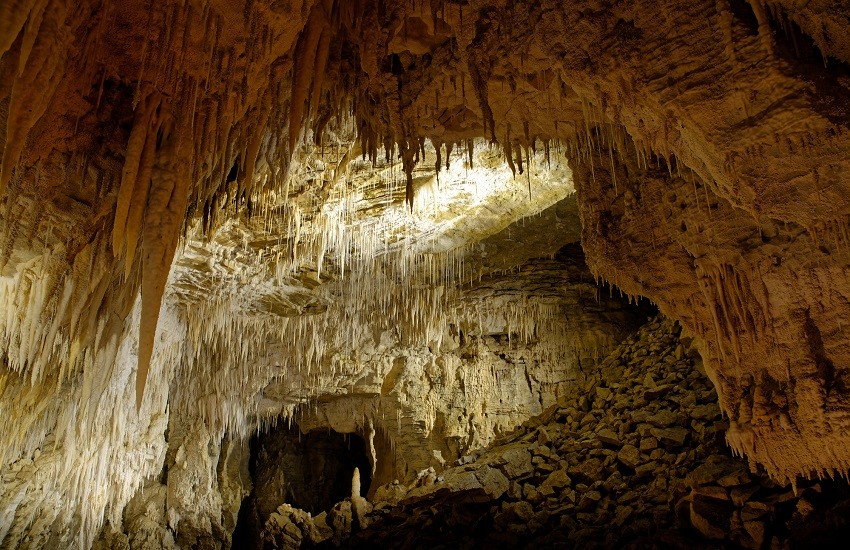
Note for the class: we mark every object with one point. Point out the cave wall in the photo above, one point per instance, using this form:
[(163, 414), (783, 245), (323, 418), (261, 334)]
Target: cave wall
[(766, 298), (431, 404), (195, 499), (311, 471), (637, 459), (70, 467), (411, 407)]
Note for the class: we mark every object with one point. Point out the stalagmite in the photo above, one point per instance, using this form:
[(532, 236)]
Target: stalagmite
[(355, 483)]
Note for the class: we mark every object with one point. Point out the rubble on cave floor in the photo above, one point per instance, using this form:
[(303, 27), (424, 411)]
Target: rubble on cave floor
[(638, 459)]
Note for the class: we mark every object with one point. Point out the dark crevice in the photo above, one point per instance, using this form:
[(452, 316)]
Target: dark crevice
[(234, 172), (742, 11), (248, 525), (825, 367), (829, 77)]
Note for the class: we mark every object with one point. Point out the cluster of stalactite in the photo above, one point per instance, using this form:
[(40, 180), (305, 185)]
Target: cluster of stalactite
[(206, 127)]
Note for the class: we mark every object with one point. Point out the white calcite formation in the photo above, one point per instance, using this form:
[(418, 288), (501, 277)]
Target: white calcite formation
[(436, 357)]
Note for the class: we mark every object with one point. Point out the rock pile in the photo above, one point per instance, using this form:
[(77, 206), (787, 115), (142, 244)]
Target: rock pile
[(638, 459), (290, 527)]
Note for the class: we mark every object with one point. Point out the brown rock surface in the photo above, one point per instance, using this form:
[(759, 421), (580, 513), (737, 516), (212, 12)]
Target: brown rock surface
[(684, 503)]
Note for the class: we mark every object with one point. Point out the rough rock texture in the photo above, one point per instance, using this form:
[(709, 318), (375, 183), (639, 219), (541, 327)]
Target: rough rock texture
[(309, 472), (637, 461), (756, 293), (218, 384), (414, 406), (195, 501), (424, 405), (175, 191)]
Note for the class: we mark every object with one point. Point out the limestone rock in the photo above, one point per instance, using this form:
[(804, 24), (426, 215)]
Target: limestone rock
[(557, 480), (663, 419), (391, 493), (756, 532), (493, 481), (608, 436), (710, 517), (629, 456), (576, 488), (515, 461), (671, 436), (360, 508)]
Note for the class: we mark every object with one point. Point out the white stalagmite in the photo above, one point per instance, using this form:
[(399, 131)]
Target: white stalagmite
[(355, 483)]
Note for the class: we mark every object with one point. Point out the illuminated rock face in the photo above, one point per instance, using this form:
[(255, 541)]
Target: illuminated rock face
[(639, 456), (759, 293), (186, 225)]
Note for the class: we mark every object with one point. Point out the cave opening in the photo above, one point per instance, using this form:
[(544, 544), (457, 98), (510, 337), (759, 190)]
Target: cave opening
[(311, 471)]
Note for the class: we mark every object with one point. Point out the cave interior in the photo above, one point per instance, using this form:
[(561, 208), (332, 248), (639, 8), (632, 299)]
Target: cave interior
[(424, 273)]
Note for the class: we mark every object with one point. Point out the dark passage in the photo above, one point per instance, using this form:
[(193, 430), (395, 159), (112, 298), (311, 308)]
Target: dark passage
[(309, 471)]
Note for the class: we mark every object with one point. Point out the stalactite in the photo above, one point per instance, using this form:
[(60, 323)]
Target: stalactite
[(408, 163), (305, 58), (33, 88), (322, 53), (439, 162), (31, 31), (479, 77), (519, 159), (247, 111), (765, 32), (140, 190), (142, 125), (13, 17), (255, 141), (726, 21), (508, 151), (167, 205)]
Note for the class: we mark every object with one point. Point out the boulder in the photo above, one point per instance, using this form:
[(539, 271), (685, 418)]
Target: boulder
[(493, 481), (391, 493), (755, 510), (651, 394), (648, 444), (674, 437), (711, 517), (629, 456), (589, 470), (608, 437), (756, 531), (514, 461), (663, 419), (556, 480)]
